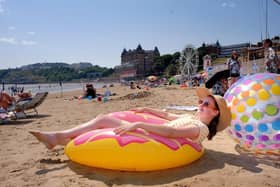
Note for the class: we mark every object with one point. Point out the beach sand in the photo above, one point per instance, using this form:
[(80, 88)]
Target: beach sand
[(26, 162)]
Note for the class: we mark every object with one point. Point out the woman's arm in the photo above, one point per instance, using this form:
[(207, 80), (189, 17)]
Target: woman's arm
[(190, 131), (157, 112)]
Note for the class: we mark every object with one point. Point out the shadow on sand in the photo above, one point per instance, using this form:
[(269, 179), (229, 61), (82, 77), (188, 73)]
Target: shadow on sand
[(24, 121), (267, 159), (211, 160)]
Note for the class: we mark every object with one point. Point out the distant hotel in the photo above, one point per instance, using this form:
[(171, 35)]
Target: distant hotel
[(136, 63), (226, 50)]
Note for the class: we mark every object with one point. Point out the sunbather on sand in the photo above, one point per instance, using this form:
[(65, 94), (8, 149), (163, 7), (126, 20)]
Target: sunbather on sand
[(213, 115), (6, 100)]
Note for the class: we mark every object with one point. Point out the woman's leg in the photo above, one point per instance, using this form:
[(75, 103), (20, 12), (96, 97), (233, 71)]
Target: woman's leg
[(51, 139)]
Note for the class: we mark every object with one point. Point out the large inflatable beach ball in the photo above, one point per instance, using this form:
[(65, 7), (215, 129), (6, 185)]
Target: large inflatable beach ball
[(255, 103)]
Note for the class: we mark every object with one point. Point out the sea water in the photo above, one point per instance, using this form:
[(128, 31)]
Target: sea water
[(50, 87)]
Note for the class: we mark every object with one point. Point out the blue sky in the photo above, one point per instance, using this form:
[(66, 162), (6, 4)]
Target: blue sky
[(96, 31)]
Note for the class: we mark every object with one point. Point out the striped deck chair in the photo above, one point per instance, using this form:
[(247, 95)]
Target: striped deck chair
[(30, 104)]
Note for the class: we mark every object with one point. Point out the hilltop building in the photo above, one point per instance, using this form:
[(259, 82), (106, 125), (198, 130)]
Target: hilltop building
[(226, 51), (81, 65), (212, 49), (136, 63)]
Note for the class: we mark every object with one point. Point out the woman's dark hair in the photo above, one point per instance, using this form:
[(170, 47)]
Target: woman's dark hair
[(234, 55), (269, 42), (212, 127)]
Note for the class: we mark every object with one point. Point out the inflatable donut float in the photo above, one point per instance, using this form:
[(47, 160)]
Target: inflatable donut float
[(133, 151)]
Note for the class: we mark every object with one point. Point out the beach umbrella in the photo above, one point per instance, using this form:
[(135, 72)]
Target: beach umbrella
[(217, 76), (152, 78)]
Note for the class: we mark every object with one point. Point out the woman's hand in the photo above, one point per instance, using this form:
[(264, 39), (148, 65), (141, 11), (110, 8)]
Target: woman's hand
[(156, 112), (126, 128)]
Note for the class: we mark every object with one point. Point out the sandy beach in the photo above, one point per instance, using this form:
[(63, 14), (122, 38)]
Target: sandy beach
[(26, 162)]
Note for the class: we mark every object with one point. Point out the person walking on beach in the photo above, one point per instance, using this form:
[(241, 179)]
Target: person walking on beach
[(271, 60), (213, 116), (234, 66)]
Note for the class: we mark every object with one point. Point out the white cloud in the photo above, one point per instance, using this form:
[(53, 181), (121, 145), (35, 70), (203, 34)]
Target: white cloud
[(31, 33), (229, 4), (11, 28), (1, 6), (13, 41), (28, 42), (8, 40)]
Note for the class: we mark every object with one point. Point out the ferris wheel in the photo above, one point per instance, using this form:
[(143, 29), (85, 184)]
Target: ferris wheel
[(188, 62)]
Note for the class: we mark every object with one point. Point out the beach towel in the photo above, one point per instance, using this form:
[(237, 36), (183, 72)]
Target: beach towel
[(177, 107), (3, 117)]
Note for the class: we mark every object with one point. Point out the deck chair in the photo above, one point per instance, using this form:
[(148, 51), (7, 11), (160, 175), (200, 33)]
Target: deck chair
[(30, 104)]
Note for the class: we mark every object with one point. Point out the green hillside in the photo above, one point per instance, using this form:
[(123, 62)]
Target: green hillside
[(52, 74)]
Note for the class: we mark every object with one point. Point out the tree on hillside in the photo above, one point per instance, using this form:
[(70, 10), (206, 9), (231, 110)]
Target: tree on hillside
[(107, 72), (167, 64), (202, 51), (161, 64), (52, 72), (170, 70)]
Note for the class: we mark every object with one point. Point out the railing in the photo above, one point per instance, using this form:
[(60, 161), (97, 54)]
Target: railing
[(253, 66), (249, 67)]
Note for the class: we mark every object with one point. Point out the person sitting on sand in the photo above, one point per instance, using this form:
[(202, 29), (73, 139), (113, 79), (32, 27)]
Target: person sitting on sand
[(132, 85), (220, 87), (213, 115), (218, 82), (90, 91)]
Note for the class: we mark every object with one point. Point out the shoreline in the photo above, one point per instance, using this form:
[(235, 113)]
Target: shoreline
[(54, 87)]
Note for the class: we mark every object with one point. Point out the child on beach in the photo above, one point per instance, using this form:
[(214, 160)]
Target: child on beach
[(213, 115)]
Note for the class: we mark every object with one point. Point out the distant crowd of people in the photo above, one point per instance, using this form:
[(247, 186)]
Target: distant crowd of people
[(91, 93)]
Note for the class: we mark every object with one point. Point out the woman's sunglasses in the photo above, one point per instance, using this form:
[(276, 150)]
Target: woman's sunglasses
[(205, 103)]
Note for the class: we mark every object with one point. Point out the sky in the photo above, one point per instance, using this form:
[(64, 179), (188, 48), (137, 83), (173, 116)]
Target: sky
[(97, 31)]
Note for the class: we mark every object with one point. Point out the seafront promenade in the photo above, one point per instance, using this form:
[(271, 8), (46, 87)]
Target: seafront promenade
[(248, 67)]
